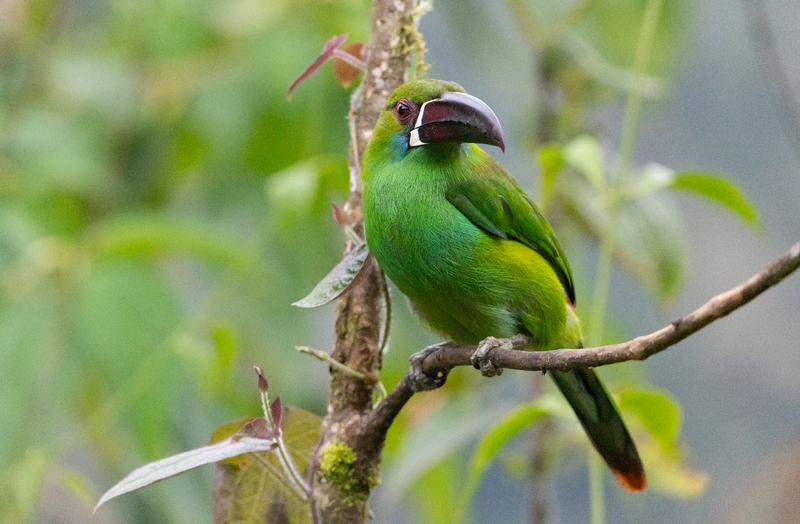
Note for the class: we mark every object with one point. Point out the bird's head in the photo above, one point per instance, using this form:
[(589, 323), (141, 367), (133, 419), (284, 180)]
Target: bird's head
[(423, 112)]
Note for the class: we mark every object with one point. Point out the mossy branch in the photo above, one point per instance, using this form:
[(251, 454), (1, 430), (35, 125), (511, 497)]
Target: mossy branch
[(341, 487)]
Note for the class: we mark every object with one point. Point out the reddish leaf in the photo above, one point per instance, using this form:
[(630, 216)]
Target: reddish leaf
[(256, 428), (339, 215), (277, 413), (345, 72), (324, 56), (256, 490), (263, 385)]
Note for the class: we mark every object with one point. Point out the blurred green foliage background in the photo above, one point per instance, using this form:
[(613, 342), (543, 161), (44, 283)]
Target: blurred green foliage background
[(162, 204)]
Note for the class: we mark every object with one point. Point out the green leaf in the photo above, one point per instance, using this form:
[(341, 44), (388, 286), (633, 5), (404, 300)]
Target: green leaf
[(551, 161), (339, 280), (586, 156), (717, 189), (27, 479), (137, 236), (654, 178), (650, 234), (672, 476), (519, 419), (254, 489), (657, 411), (660, 415), (423, 449)]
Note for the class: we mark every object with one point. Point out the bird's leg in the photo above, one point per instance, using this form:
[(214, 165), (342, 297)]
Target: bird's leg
[(418, 379), (482, 358)]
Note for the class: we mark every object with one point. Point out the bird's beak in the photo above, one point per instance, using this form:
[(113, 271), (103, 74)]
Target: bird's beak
[(456, 117)]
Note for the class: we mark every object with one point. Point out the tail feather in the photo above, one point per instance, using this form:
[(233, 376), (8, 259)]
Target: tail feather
[(603, 424)]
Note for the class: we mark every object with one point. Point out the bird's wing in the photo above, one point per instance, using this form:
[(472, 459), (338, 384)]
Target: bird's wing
[(495, 203)]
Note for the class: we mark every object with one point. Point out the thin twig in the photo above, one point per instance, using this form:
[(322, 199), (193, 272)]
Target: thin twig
[(325, 357), (289, 467), (639, 348), (354, 61), (387, 321), (281, 478)]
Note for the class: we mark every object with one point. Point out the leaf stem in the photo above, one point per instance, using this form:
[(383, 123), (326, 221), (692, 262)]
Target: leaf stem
[(630, 128), (283, 455), (596, 498), (325, 357)]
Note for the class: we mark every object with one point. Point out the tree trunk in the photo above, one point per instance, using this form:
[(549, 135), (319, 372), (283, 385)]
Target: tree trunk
[(345, 466)]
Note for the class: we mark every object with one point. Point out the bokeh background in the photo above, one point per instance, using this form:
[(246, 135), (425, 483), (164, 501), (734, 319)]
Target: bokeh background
[(162, 204)]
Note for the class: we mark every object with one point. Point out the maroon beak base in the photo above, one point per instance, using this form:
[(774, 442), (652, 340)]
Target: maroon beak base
[(457, 117)]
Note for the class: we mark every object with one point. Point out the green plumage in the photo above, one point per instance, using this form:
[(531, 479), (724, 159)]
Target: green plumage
[(457, 235)]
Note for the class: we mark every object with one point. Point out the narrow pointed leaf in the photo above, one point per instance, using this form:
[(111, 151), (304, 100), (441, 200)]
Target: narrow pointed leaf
[(255, 489), (586, 156), (551, 161), (277, 413), (263, 383), (339, 280), (498, 436), (657, 411), (183, 462), (324, 56), (717, 189)]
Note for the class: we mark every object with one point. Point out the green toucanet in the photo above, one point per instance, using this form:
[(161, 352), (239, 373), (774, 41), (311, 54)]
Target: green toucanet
[(457, 235)]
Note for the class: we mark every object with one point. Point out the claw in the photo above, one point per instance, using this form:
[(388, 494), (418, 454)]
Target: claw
[(482, 358), (421, 381)]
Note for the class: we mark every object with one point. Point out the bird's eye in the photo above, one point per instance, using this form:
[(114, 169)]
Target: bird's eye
[(403, 110)]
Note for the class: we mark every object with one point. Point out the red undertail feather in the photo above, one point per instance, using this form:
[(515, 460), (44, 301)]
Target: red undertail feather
[(633, 480)]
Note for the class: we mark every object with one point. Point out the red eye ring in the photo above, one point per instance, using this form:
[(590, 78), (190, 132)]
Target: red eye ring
[(404, 110)]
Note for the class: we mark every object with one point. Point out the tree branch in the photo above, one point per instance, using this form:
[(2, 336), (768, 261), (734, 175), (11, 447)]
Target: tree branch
[(639, 348)]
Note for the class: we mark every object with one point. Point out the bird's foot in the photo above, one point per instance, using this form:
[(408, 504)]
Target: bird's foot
[(418, 379), (482, 358)]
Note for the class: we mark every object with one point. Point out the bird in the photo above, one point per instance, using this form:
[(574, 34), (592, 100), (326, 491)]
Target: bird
[(472, 252)]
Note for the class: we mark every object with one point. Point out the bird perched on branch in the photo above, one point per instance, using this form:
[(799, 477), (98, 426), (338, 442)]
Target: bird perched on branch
[(457, 235)]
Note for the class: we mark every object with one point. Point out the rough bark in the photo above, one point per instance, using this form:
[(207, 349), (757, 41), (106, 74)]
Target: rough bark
[(341, 483)]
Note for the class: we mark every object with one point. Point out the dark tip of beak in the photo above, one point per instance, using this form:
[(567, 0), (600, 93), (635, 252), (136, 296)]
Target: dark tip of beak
[(457, 117), (499, 141)]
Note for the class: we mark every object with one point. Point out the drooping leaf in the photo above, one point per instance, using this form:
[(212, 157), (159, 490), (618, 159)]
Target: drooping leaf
[(28, 479), (76, 484), (586, 156), (519, 419), (339, 280), (657, 411), (674, 477), (551, 160), (324, 56), (254, 488), (654, 178), (659, 414), (650, 235), (423, 448), (235, 445), (651, 243), (717, 189)]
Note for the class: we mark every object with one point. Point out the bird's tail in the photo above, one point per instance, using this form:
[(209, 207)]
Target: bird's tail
[(603, 424)]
